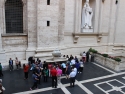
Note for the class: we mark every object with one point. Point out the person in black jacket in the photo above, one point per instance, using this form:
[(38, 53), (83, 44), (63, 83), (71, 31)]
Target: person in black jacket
[(11, 64), (87, 56), (45, 65)]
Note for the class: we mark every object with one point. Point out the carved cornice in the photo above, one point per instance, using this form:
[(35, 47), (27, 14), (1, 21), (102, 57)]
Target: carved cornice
[(99, 35)]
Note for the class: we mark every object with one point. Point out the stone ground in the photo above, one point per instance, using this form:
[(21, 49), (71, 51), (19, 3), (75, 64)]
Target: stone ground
[(95, 79)]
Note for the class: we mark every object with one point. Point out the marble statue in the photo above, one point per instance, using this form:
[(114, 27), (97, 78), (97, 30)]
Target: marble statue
[(87, 14)]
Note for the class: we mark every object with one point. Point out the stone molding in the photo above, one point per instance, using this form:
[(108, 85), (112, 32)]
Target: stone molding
[(99, 35), (12, 35)]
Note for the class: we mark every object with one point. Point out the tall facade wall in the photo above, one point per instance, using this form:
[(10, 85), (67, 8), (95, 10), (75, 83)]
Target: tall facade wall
[(64, 30)]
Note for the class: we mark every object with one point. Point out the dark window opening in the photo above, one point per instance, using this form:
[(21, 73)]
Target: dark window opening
[(48, 23), (14, 16), (116, 2), (48, 2)]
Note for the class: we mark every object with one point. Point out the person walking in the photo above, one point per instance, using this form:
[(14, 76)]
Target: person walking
[(38, 73), (45, 74), (54, 77), (11, 64), (25, 69), (72, 78), (35, 80), (1, 73)]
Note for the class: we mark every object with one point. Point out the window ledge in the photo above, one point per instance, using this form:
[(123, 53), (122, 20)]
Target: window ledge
[(13, 34), (86, 33)]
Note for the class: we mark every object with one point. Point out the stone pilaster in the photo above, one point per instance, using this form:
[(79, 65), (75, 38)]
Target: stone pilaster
[(31, 27), (2, 52), (47, 36), (61, 22)]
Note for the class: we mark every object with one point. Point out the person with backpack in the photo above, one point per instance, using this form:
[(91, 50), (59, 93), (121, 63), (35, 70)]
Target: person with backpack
[(35, 81), (26, 70)]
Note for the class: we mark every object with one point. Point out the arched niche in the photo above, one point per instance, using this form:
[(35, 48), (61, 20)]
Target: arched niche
[(92, 4)]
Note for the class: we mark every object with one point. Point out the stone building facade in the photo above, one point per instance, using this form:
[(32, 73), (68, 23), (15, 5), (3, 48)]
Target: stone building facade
[(56, 24)]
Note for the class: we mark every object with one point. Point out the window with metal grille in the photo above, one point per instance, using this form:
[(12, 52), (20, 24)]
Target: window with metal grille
[(14, 16), (48, 2)]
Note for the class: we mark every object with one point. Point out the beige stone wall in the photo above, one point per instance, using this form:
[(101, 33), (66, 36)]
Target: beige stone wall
[(47, 35), (120, 23), (65, 19)]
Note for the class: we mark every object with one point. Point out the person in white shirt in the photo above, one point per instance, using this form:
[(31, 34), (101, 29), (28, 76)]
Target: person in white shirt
[(72, 78), (84, 57), (81, 66), (73, 61)]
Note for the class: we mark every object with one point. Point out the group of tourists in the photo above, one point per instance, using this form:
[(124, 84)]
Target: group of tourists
[(55, 70), (44, 70)]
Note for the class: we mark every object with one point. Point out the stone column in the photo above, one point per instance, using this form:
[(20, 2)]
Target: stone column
[(2, 52)]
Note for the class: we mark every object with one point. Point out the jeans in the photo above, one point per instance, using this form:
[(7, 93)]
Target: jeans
[(34, 85), (26, 74), (11, 67)]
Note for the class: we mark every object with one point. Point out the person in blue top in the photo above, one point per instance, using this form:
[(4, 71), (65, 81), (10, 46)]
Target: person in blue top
[(35, 81), (77, 65), (63, 65)]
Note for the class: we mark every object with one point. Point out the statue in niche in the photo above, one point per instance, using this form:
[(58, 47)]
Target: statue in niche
[(87, 14)]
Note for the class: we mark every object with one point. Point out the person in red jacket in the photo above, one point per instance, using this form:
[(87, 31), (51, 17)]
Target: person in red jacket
[(54, 77), (25, 69)]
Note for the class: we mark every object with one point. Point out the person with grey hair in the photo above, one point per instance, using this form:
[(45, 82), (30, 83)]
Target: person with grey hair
[(1, 87), (72, 78)]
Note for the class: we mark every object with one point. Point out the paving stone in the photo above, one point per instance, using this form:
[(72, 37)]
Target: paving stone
[(55, 91), (75, 90)]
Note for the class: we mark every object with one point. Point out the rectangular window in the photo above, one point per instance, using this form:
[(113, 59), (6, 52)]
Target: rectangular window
[(48, 2), (48, 23)]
